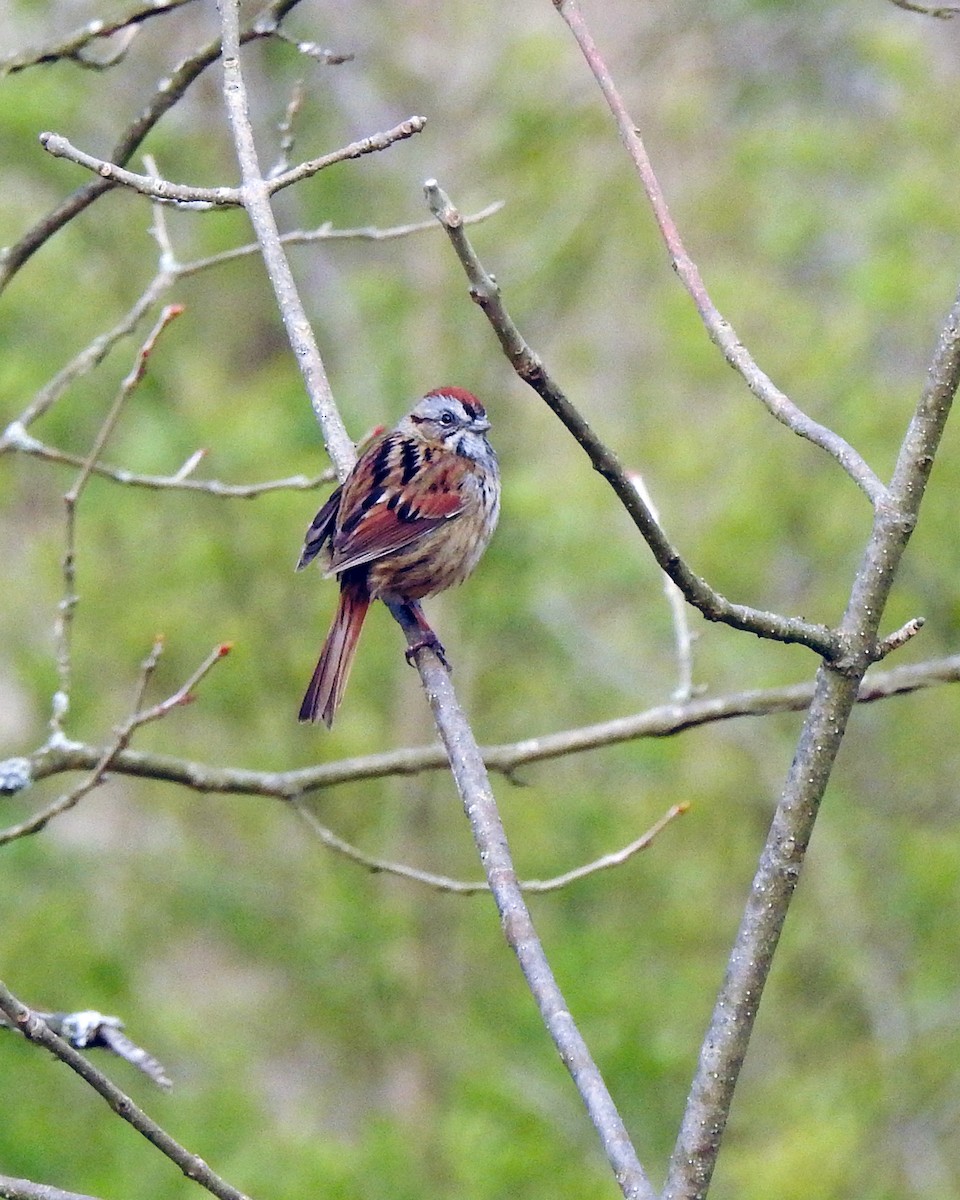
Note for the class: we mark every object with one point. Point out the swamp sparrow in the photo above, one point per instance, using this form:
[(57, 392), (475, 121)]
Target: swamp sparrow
[(411, 519)]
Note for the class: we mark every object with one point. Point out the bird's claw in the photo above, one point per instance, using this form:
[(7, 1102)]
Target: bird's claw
[(427, 642)]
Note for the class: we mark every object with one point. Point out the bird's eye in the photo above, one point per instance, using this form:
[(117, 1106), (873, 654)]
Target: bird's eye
[(447, 418)]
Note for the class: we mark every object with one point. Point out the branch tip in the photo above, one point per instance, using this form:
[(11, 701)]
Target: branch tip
[(900, 637)]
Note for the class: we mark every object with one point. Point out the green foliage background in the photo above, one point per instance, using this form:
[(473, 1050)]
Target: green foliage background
[(341, 1034)]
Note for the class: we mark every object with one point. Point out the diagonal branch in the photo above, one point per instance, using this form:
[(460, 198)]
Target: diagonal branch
[(781, 861), (480, 806), (467, 887), (465, 760), (70, 599), (107, 758), (942, 11), (718, 328), (37, 1031), (26, 1189), (73, 44), (256, 201), (528, 365)]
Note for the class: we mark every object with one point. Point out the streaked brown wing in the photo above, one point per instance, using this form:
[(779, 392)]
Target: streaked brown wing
[(381, 513)]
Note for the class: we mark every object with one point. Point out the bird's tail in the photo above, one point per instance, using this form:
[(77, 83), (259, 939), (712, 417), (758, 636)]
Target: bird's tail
[(323, 696)]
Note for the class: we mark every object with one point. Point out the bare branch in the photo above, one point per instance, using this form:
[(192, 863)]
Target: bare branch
[(84, 362), (26, 1189), (127, 386), (17, 439), (899, 637), (528, 365), (168, 93), (781, 861), (61, 755), (682, 634), (464, 887), (256, 193), (719, 329), (36, 1030), (490, 837), (68, 603), (285, 130), (122, 736), (943, 11), (202, 199), (72, 46), (327, 233), (330, 58)]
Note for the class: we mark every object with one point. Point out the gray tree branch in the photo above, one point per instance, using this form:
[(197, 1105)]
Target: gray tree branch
[(781, 861), (485, 292), (37, 1031), (62, 754), (205, 198)]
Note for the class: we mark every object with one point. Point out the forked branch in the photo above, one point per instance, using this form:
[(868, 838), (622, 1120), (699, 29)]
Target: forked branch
[(529, 366), (189, 196), (728, 1036)]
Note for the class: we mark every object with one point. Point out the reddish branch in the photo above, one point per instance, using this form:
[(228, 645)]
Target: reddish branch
[(720, 330)]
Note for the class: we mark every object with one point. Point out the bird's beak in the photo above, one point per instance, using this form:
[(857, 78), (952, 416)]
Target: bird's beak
[(479, 425)]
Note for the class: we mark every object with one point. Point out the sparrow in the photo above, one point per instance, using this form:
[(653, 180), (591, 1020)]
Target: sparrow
[(411, 519)]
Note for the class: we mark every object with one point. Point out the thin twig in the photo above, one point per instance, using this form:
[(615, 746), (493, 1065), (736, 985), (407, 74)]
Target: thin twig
[(127, 386), (256, 193), (328, 233), (36, 1030), (285, 130), (682, 635), (899, 637), (330, 58), (718, 328), (180, 480), (943, 11), (84, 362), (201, 199), (108, 757), (466, 887), (26, 1189), (528, 365), (72, 46), (68, 604)]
